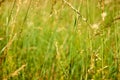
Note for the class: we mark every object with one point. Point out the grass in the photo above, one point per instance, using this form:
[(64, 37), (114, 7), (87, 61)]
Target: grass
[(59, 40)]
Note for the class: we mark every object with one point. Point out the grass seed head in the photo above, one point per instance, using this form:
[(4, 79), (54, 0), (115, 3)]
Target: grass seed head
[(103, 15), (95, 26)]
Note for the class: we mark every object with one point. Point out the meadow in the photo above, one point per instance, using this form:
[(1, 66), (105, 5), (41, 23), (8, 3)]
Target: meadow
[(59, 40)]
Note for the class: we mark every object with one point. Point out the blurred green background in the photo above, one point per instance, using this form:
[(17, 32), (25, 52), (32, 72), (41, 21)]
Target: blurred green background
[(48, 40)]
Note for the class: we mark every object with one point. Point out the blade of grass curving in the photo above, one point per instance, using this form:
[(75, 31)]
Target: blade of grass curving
[(7, 28), (9, 18), (25, 16)]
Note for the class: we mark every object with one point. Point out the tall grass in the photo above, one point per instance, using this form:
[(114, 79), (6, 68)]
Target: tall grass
[(59, 40)]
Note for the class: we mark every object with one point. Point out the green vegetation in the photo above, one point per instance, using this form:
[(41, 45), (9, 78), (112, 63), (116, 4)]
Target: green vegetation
[(59, 40)]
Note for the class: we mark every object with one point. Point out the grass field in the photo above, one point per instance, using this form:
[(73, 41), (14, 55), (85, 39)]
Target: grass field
[(60, 40)]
